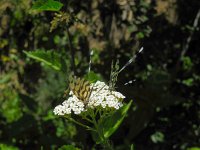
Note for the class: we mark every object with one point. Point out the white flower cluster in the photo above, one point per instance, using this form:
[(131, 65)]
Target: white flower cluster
[(69, 105), (100, 96)]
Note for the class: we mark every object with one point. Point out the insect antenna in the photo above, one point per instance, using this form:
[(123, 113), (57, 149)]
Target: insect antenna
[(90, 61), (115, 70), (131, 60)]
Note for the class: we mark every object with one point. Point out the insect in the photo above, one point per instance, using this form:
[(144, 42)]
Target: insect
[(81, 88)]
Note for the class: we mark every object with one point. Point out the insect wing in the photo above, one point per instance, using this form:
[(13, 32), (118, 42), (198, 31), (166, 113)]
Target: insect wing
[(81, 89)]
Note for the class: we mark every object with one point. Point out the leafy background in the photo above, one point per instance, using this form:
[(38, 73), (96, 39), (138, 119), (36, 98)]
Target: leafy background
[(165, 112)]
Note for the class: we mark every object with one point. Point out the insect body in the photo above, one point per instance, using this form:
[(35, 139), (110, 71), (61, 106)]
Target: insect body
[(81, 89)]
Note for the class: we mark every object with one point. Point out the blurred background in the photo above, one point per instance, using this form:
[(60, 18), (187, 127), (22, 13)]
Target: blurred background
[(166, 103)]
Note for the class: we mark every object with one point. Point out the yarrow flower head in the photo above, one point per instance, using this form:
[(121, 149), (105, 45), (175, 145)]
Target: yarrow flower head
[(100, 96)]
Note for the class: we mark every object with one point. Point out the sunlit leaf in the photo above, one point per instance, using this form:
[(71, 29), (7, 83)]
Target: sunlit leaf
[(47, 5), (6, 147), (110, 124), (194, 148), (49, 58)]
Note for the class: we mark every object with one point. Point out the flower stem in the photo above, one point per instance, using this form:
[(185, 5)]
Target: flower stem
[(78, 123), (105, 142)]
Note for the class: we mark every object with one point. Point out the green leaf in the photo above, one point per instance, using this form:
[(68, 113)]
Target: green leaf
[(47, 5), (193, 148), (93, 77), (132, 147), (5, 78), (157, 137), (6, 147), (187, 63), (49, 58), (68, 147), (110, 124), (188, 82), (140, 35), (28, 102), (11, 109)]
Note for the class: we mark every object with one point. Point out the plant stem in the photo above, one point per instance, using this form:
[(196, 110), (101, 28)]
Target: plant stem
[(189, 39), (87, 119), (78, 123), (71, 51), (99, 131)]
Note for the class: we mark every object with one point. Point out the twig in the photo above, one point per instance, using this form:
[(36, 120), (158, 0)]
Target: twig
[(195, 25), (71, 51)]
